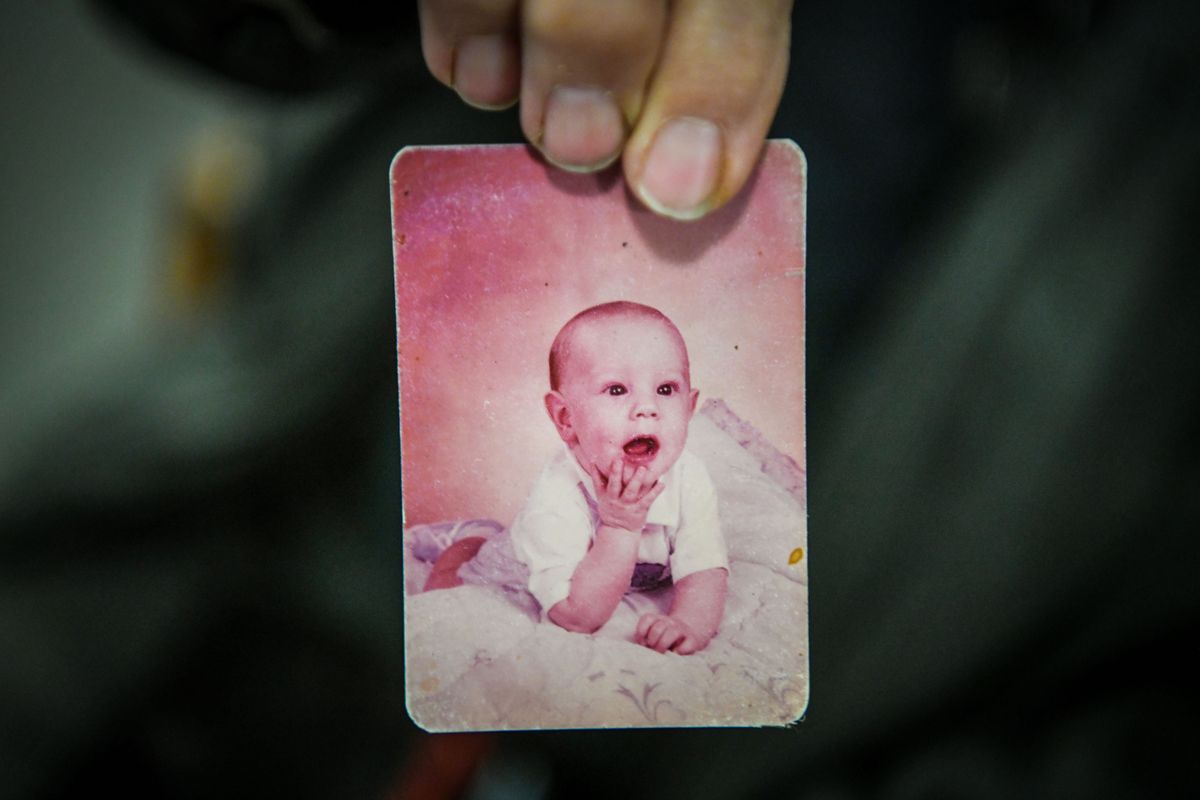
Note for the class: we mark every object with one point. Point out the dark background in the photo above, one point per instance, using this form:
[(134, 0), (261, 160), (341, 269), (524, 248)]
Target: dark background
[(199, 519)]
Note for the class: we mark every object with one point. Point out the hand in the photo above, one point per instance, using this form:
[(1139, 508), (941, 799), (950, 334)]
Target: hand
[(623, 504), (662, 633), (684, 90)]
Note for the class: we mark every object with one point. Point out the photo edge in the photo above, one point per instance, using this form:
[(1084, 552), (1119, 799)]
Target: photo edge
[(416, 719), (797, 152)]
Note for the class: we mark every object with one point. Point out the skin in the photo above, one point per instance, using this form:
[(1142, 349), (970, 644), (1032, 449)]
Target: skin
[(628, 377), (445, 570), (601, 80), (696, 611)]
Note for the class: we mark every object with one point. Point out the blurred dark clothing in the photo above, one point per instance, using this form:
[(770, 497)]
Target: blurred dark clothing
[(280, 46), (201, 559)]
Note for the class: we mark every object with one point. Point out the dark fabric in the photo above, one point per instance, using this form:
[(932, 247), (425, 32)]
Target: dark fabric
[(648, 576), (285, 47), (198, 555)]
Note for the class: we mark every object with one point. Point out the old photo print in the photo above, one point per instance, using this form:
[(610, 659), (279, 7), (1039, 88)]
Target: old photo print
[(603, 447)]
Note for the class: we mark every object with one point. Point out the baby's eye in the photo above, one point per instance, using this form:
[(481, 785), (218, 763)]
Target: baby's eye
[(667, 389), (615, 390)]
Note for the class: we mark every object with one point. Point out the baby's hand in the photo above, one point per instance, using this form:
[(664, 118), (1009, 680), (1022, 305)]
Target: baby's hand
[(683, 91), (623, 505), (662, 633)]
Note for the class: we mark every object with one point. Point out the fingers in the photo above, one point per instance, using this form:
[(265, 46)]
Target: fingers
[(686, 646), (629, 483), (598, 483), (715, 90), (585, 67), (643, 625), (658, 632), (684, 89), (646, 624), (633, 489), (663, 634), (624, 503), (636, 490), (614, 479), (471, 46), (653, 494)]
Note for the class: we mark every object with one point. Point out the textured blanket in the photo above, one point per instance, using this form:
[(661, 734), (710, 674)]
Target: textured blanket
[(477, 662)]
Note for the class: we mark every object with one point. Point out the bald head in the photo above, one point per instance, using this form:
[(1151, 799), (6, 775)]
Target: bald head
[(560, 351)]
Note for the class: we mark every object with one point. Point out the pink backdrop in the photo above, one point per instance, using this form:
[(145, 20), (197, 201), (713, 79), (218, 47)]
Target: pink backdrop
[(494, 252)]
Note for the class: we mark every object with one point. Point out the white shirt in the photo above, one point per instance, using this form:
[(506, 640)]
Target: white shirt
[(554, 530)]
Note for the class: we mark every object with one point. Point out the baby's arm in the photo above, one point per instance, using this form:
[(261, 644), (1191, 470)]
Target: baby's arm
[(599, 582), (603, 576), (696, 612)]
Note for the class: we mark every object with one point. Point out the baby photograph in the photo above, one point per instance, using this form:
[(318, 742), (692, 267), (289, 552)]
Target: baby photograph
[(602, 448)]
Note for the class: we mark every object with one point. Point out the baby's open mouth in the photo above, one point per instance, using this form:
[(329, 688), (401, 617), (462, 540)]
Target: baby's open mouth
[(641, 447)]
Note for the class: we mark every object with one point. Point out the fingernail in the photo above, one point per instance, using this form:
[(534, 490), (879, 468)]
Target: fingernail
[(682, 168), (487, 71), (582, 129)]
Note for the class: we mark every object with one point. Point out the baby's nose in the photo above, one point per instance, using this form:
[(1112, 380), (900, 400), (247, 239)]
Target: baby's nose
[(645, 409)]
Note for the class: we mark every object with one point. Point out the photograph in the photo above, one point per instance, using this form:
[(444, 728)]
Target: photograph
[(457, 400), (602, 447)]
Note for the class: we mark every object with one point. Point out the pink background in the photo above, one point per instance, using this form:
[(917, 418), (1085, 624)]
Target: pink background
[(495, 251)]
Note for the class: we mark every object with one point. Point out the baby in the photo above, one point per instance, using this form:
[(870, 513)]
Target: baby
[(624, 507)]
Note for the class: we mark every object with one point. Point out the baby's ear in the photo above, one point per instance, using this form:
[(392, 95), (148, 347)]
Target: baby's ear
[(560, 415), (694, 398)]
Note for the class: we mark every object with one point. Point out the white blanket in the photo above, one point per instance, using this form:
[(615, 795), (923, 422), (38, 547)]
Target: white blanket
[(476, 662)]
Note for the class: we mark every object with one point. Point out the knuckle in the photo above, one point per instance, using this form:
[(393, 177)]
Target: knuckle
[(727, 58), (465, 17), (590, 25)]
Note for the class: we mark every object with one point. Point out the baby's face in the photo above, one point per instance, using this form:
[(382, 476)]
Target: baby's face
[(627, 395)]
